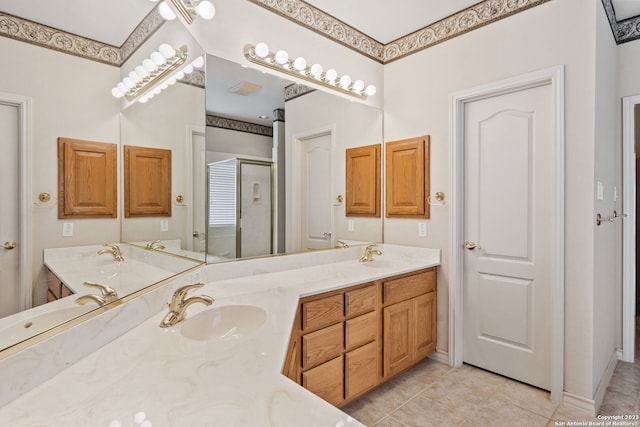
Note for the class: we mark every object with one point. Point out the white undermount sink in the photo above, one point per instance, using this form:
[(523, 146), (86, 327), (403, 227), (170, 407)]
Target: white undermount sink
[(225, 322)]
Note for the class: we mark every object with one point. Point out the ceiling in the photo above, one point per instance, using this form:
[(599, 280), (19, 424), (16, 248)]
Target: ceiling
[(383, 21)]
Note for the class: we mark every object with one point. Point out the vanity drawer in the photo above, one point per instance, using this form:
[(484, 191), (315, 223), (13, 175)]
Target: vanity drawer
[(408, 287), (361, 330), (360, 301), (322, 312), (322, 345), (326, 381)]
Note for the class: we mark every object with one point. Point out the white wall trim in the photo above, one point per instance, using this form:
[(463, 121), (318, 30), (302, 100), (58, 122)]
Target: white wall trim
[(628, 228), (25, 153), (555, 77), (440, 356), (604, 381)]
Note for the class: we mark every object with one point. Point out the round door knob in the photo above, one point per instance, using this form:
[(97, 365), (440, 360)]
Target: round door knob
[(9, 245), (471, 245)]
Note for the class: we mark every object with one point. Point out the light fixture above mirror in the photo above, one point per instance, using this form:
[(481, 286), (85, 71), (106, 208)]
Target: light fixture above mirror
[(261, 55), (188, 9)]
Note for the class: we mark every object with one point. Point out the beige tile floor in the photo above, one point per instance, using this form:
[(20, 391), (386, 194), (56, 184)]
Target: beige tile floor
[(434, 394)]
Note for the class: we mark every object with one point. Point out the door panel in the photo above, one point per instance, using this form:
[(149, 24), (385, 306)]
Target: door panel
[(9, 222), (508, 190), (316, 176)]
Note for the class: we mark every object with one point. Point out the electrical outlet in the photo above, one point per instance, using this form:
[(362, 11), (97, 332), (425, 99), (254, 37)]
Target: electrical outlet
[(350, 225), (164, 225), (67, 229), (422, 229)]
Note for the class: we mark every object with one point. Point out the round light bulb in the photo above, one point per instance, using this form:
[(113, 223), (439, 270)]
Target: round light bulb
[(166, 50), (139, 417), (179, 75), (149, 95), (205, 9), (345, 81), (282, 57), (198, 62), (143, 100), (164, 85), (370, 90), (157, 58), (157, 90), (116, 93), (166, 12), (172, 81), (262, 50), (300, 64), (149, 65), (128, 82), (141, 72), (134, 77), (316, 71), (188, 69), (358, 85), (122, 88), (331, 75)]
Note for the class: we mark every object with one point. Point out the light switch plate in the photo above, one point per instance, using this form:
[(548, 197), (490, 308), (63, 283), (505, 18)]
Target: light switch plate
[(67, 229), (164, 225), (350, 225), (422, 229), (600, 191)]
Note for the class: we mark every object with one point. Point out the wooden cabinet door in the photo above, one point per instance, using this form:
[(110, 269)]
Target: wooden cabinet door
[(326, 381), (361, 370), (363, 181), (398, 336), (424, 310), (407, 178), (147, 182)]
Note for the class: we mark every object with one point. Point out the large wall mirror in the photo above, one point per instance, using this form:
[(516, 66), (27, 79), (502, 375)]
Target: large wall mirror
[(293, 207)]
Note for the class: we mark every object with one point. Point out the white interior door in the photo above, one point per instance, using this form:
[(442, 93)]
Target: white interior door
[(508, 211), (9, 211), (316, 181), (199, 191)]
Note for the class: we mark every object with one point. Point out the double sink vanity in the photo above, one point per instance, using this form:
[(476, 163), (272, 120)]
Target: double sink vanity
[(279, 328)]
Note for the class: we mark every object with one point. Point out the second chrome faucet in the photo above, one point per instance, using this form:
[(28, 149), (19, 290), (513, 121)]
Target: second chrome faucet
[(178, 305)]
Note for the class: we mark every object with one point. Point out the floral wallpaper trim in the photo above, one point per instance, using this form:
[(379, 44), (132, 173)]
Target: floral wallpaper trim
[(61, 41), (295, 90), (625, 30), (196, 78), (476, 16), (238, 125)]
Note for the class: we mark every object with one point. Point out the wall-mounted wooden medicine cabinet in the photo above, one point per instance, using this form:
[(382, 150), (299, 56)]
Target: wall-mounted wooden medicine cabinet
[(407, 178), (363, 181), (147, 182), (87, 179)]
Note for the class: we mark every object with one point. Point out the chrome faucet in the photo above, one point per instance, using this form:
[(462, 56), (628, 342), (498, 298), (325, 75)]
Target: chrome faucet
[(109, 295), (369, 252), (154, 245), (178, 305), (115, 252)]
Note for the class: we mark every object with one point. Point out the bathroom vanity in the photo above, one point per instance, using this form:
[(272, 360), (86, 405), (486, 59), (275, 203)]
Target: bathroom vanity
[(200, 373)]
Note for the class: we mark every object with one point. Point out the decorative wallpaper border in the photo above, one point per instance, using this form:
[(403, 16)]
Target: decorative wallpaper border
[(472, 18), (61, 41), (278, 115), (196, 78), (295, 90), (623, 31), (482, 13), (238, 125), (324, 24)]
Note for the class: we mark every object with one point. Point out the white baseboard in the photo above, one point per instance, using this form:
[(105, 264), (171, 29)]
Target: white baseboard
[(440, 356), (605, 380), (580, 403)]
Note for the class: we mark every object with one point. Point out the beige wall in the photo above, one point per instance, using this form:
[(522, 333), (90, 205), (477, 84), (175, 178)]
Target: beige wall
[(416, 99), (71, 98)]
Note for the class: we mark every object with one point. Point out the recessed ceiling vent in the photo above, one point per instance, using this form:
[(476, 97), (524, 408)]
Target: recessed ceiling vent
[(244, 88)]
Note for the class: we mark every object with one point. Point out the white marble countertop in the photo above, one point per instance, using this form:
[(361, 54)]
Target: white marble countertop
[(177, 381)]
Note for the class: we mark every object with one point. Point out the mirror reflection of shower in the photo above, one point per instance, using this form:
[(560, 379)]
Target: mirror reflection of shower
[(240, 213)]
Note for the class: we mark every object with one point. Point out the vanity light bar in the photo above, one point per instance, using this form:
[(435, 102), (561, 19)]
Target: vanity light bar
[(152, 70), (172, 79), (261, 55)]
